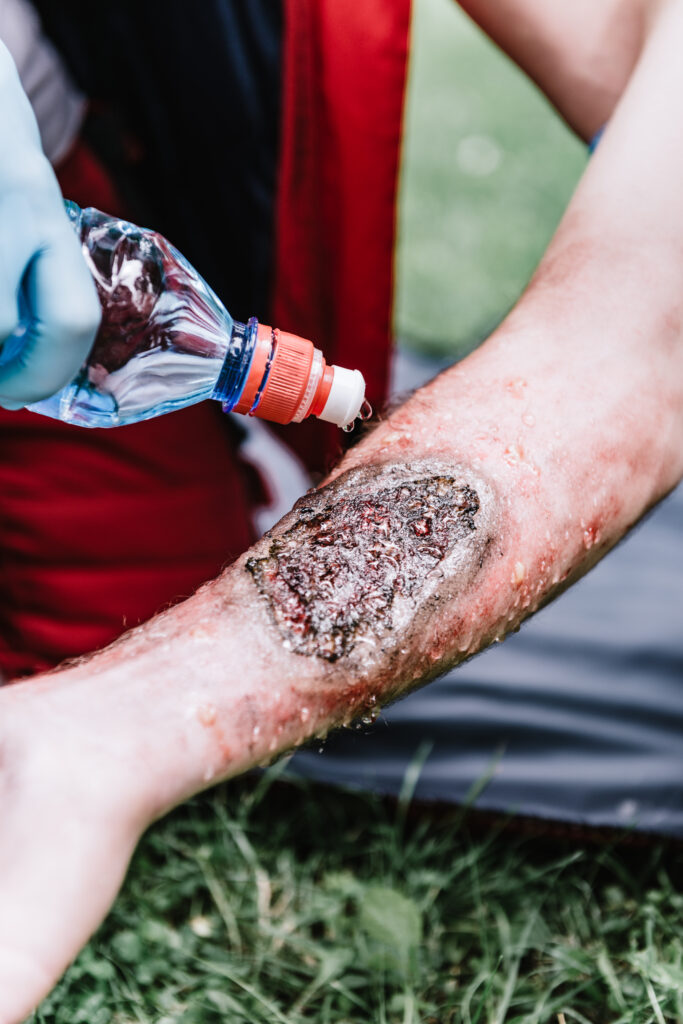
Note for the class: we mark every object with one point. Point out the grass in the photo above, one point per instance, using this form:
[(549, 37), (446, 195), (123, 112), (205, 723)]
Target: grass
[(262, 904)]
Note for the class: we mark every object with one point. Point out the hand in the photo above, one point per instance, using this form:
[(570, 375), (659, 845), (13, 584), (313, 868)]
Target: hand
[(40, 258)]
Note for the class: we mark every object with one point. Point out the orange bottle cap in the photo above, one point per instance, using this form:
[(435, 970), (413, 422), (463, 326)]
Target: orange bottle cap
[(287, 378), (290, 380)]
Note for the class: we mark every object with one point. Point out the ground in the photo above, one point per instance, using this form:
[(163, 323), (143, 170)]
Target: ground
[(258, 904), (263, 905)]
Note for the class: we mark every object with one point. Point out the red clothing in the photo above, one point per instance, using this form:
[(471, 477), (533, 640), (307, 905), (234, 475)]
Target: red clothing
[(99, 529), (344, 76)]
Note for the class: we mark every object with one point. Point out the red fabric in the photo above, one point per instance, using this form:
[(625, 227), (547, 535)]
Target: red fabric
[(344, 76), (83, 179), (100, 529)]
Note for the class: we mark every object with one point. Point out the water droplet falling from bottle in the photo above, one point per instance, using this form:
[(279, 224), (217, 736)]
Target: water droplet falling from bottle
[(364, 413)]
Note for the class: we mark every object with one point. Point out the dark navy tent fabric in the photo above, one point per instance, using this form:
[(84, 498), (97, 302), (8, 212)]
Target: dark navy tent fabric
[(579, 716), (185, 115)]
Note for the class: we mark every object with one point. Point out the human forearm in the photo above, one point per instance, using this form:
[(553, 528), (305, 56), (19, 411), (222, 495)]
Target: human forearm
[(226, 681), (566, 425)]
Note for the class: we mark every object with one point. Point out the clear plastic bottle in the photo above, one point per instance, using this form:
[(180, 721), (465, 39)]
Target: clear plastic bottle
[(167, 341)]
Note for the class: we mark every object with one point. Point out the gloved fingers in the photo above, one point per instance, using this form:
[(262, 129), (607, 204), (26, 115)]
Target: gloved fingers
[(62, 311), (42, 269), (17, 120), (19, 241), (18, 244)]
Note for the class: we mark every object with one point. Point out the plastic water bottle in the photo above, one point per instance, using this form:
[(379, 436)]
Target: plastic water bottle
[(167, 341)]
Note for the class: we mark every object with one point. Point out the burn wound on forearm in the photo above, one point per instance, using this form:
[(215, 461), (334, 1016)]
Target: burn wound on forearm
[(358, 559)]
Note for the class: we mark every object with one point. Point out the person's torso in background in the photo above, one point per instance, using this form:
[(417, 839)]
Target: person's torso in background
[(57, 103)]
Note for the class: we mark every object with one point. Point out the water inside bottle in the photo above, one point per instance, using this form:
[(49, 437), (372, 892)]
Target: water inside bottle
[(164, 334)]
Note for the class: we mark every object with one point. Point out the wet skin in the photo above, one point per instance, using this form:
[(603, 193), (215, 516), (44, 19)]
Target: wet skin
[(366, 556), (354, 578)]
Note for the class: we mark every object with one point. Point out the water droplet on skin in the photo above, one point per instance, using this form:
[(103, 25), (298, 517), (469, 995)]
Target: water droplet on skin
[(518, 574), (255, 731), (516, 387), (304, 714), (591, 536), (206, 714), (199, 634), (513, 454)]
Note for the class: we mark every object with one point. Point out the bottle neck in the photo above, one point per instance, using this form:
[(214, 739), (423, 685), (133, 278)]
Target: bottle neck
[(237, 365), (281, 377)]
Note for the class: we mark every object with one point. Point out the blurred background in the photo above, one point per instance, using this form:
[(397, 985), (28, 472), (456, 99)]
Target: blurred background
[(488, 169)]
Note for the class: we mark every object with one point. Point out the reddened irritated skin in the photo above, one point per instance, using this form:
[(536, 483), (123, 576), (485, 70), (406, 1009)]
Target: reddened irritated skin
[(466, 509)]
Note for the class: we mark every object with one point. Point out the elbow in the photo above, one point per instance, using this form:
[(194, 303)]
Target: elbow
[(607, 63)]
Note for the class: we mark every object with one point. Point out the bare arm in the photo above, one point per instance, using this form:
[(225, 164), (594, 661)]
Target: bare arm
[(490, 490), (581, 54), (485, 494)]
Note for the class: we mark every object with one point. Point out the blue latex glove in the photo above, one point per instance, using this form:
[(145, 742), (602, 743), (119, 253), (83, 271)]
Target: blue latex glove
[(41, 264)]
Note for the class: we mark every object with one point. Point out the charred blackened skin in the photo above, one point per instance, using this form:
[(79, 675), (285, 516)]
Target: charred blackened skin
[(333, 579)]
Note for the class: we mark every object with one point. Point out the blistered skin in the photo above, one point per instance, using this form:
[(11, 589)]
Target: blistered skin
[(362, 557)]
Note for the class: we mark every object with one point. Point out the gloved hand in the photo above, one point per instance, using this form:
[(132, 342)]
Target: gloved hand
[(40, 257)]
